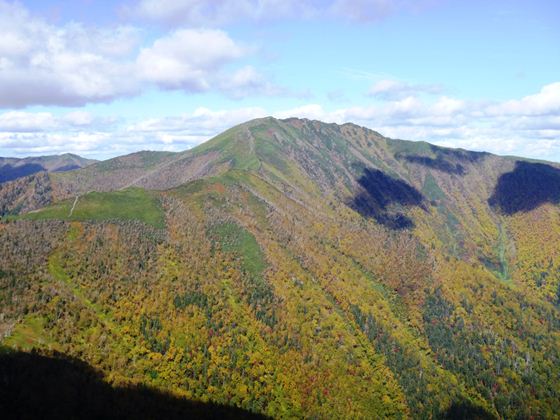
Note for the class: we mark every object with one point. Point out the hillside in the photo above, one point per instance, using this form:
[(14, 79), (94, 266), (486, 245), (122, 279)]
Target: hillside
[(14, 168), (294, 268)]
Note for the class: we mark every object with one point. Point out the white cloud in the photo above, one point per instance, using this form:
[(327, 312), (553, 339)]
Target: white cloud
[(247, 81), (187, 59), (311, 111), (17, 121), (447, 106), (30, 122), (28, 133), (72, 65), (546, 102), (529, 126), (202, 123), (197, 60), (66, 65)]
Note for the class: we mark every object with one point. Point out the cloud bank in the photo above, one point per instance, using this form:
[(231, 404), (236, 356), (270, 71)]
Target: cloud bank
[(529, 126)]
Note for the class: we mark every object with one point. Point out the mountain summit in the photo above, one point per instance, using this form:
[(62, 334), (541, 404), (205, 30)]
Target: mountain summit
[(297, 268)]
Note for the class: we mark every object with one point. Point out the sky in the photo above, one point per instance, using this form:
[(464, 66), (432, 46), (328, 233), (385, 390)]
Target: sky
[(103, 78)]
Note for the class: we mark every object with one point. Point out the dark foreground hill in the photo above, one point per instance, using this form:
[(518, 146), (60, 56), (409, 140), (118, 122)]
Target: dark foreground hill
[(58, 387), (296, 268)]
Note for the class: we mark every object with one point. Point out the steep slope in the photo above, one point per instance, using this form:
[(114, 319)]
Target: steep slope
[(13, 168), (301, 269)]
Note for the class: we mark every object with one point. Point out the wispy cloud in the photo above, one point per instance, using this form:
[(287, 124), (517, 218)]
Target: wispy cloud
[(358, 74)]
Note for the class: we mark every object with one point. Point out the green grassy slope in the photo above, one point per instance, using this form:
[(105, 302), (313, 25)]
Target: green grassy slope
[(129, 204)]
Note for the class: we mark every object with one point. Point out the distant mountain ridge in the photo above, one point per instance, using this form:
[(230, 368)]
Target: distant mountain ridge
[(13, 168)]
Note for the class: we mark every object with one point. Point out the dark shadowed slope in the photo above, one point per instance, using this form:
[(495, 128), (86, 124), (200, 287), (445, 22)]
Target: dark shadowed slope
[(526, 187), (381, 191), (61, 387), (10, 172), (451, 161), (466, 411), (438, 163)]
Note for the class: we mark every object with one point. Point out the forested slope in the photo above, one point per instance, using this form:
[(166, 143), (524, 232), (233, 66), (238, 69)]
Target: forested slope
[(295, 268)]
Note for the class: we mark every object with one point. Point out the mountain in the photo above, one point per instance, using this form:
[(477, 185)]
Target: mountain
[(294, 268), (14, 168)]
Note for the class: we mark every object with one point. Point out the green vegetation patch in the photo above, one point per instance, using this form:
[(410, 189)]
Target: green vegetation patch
[(268, 148), (406, 147), (235, 146), (234, 238), (192, 187), (129, 204), (431, 189), (28, 334)]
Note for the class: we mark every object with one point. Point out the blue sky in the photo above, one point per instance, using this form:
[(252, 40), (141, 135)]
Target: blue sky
[(103, 78)]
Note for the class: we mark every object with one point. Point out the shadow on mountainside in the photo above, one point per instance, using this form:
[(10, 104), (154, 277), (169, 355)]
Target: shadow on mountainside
[(526, 187), (459, 154), (9, 172), (438, 163), (67, 168), (466, 411), (59, 387), (381, 191), (446, 160)]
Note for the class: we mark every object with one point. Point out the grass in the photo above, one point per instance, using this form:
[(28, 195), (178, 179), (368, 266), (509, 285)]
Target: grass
[(234, 238), (28, 334), (129, 204)]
